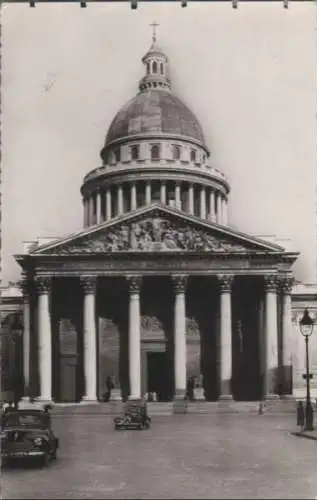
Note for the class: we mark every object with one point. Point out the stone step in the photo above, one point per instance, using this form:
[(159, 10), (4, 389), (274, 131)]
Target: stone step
[(168, 408)]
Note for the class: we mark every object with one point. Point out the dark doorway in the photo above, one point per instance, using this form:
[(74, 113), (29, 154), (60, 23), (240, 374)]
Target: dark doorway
[(157, 375)]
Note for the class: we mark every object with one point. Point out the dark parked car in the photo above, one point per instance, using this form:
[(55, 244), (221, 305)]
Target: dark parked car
[(27, 434), (135, 416)]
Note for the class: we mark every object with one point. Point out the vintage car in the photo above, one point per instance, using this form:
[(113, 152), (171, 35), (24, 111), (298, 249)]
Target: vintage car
[(27, 434), (135, 416)]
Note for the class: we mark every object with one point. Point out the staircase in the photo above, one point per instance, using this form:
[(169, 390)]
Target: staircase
[(278, 406)]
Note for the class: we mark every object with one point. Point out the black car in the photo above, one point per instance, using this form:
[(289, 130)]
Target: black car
[(135, 416), (27, 434)]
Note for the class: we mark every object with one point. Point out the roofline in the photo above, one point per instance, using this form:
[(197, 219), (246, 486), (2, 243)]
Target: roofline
[(143, 210)]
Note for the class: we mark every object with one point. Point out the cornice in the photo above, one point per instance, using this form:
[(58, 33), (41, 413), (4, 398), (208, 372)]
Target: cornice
[(194, 175), (155, 136)]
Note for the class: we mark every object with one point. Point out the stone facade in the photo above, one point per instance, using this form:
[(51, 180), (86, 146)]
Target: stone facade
[(157, 287)]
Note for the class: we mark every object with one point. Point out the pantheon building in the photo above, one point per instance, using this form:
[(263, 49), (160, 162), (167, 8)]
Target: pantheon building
[(157, 287)]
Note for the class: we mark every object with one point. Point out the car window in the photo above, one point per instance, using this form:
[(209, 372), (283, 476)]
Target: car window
[(16, 419)]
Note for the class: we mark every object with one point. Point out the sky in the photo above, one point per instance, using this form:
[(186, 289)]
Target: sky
[(249, 75)]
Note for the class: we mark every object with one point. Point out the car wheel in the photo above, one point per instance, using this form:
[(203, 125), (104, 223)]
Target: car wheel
[(54, 454), (47, 458)]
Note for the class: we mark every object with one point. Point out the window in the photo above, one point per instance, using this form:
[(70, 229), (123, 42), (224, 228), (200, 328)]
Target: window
[(148, 68), (192, 155), (117, 155), (162, 68), (154, 67), (155, 152), (134, 152), (176, 152)]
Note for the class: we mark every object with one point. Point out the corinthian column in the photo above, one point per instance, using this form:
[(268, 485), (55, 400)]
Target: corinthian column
[(271, 344), (120, 199), (191, 199), (178, 201), (86, 211), (163, 193), (225, 336), (25, 285), (91, 209), (148, 193), (224, 216), (43, 285), (90, 344), (286, 287), (212, 204), (133, 197), (134, 337), (180, 283), (218, 209), (203, 202), (108, 203), (98, 207)]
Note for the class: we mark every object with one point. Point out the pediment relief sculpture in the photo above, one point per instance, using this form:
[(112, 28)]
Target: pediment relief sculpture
[(152, 234)]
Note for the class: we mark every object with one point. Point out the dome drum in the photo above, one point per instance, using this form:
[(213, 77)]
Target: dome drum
[(169, 150), (113, 200)]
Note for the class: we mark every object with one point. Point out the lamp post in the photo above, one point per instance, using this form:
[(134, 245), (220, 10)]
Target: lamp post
[(306, 326)]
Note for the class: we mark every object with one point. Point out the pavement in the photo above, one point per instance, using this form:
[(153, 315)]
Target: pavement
[(181, 456), (306, 434)]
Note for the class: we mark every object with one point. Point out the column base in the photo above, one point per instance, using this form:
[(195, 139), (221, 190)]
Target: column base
[(89, 400), (179, 394), (133, 397), (225, 397), (42, 399), (272, 396)]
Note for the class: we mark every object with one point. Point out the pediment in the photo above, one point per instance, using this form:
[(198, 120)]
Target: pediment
[(156, 229)]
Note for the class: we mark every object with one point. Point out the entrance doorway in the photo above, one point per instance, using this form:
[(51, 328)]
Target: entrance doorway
[(157, 375)]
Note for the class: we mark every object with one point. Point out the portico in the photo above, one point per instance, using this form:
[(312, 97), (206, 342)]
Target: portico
[(100, 304)]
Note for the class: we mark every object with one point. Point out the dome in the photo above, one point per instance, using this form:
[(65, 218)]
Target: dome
[(155, 112)]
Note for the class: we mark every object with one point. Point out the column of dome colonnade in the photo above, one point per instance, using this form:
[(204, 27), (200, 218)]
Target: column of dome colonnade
[(115, 200)]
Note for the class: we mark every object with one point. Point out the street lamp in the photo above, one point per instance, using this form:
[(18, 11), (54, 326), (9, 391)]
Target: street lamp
[(306, 326)]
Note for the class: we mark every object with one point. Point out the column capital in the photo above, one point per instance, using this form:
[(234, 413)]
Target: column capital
[(270, 282), (24, 284), (89, 284), (134, 283), (179, 282), (225, 282), (286, 284), (43, 284)]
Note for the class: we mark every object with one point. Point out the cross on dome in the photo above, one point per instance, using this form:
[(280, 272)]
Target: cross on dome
[(154, 25)]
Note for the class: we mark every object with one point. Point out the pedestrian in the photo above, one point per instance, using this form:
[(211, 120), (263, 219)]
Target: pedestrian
[(261, 407), (109, 387), (300, 414), (190, 388)]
